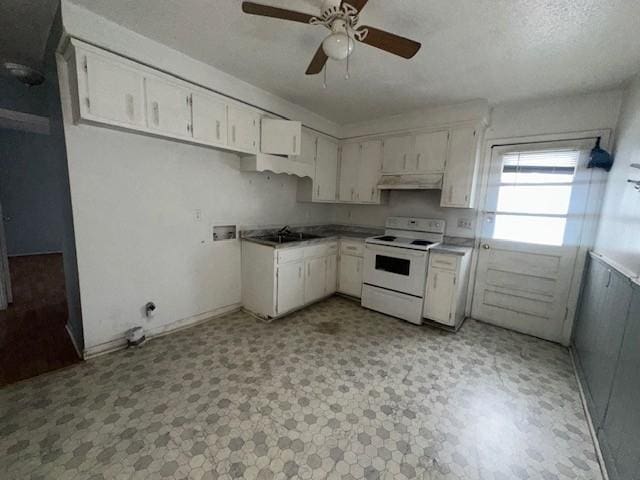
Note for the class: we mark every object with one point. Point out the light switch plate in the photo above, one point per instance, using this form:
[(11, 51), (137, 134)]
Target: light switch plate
[(465, 223)]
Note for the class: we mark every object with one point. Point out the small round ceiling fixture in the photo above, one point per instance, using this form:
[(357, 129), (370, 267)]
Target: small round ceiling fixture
[(338, 45), (24, 73)]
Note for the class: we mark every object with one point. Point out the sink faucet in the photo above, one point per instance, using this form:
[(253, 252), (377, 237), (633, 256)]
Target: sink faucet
[(284, 230)]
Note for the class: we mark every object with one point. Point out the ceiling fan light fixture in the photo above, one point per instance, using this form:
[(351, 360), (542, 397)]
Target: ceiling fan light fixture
[(338, 46)]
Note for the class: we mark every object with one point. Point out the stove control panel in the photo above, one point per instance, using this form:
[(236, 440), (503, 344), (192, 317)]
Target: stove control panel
[(416, 224)]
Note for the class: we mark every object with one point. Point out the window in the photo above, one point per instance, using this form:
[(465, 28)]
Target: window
[(534, 196)]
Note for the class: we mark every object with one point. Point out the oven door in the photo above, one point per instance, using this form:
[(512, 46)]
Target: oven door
[(394, 268)]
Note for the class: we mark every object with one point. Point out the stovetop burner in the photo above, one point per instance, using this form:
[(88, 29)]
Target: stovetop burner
[(386, 238), (421, 242)]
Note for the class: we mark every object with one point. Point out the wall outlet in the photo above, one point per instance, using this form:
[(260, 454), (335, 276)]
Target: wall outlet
[(465, 223)]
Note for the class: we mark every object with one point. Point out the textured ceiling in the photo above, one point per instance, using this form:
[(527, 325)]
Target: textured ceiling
[(24, 30), (493, 49)]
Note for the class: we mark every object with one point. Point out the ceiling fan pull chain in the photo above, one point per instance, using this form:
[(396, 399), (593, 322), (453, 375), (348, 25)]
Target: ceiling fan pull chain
[(324, 82)]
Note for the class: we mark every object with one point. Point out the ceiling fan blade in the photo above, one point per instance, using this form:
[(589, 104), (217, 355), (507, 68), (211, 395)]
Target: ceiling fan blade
[(275, 12), (390, 43), (317, 63), (357, 4)]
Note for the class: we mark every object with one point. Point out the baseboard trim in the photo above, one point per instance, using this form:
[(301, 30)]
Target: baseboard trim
[(73, 340), (121, 342), (592, 430)]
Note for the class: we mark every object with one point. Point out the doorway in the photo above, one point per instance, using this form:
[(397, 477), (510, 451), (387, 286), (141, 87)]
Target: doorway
[(532, 228)]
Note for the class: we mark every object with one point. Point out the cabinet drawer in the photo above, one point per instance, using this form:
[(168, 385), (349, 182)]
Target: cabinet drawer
[(446, 262), (321, 250), (287, 255), (352, 248)]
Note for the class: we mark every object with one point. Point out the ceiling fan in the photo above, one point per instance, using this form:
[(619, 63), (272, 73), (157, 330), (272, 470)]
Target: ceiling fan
[(341, 17)]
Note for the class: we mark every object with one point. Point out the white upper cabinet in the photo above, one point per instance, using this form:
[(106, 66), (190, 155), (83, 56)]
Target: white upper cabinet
[(461, 168), (168, 107), (109, 90), (349, 164), (396, 153), (430, 152), (280, 137), (209, 118), (244, 126), (369, 171), (326, 171), (308, 145)]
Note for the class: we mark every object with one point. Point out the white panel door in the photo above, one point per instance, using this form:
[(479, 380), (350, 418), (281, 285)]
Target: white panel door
[(290, 287), (430, 152), (280, 137), (243, 132), (460, 168), (209, 114), (168, 107), (315, 280), (326, 178), (110, 91), (331, 274), (396, 153), (350, 275), (441, 287), (349, 171), (532, 224), (369, 172)]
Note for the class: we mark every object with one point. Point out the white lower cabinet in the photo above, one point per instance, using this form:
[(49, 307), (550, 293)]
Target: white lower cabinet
[(446, 290), (350, 269), (278, 281), (290, 287), (315, 281)]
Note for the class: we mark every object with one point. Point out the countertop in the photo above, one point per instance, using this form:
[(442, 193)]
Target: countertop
[(451, 249), (326, 234)]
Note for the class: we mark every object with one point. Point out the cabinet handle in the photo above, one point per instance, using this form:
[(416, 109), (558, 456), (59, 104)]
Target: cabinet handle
[(358, 266), (404, 161), (450, 193), (300, 271), (373, 192), (308, 269), (318, 194), (233, 134), (295, 143), (418, 161), (352, 192), (435, 281), (129, 102), (218, 129), (608, 279), (156, 113)]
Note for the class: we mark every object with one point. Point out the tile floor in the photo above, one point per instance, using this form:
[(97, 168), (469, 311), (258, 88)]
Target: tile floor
[(333, 391)]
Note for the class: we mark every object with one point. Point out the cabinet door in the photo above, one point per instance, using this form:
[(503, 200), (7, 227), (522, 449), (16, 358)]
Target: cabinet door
[(431, 152), (326, 178), (350, 276), (110, 91), (441, 286), (369, 172), (349, 165), (315, 280), (290, 287), (460, 168), (331, 275), (209, 119), (280, 137), (396, 151), (308, 145), (168, 107), (243, 129)]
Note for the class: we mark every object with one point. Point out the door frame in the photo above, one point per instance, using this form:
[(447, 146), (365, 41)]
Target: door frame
[(5, 279), (595, 196)]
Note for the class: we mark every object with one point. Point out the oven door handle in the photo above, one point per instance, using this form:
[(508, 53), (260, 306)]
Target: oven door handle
[(396, 251)]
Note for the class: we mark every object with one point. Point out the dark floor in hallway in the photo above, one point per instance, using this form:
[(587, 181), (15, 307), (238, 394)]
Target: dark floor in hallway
[(33, 338)]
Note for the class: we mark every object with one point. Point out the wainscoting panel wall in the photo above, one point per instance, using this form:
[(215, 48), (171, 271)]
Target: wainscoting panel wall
[(606, 344)]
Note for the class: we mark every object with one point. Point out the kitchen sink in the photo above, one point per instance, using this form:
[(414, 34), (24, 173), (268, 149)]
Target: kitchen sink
[(288, 237)]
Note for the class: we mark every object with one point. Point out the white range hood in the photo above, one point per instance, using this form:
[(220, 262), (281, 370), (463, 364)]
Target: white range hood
[(418, 181)]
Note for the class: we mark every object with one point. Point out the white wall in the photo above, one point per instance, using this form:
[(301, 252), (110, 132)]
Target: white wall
[(619, 229), (134, 201)]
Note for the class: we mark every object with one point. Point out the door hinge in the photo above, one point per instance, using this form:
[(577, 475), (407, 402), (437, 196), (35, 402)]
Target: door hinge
[(85, 66)]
